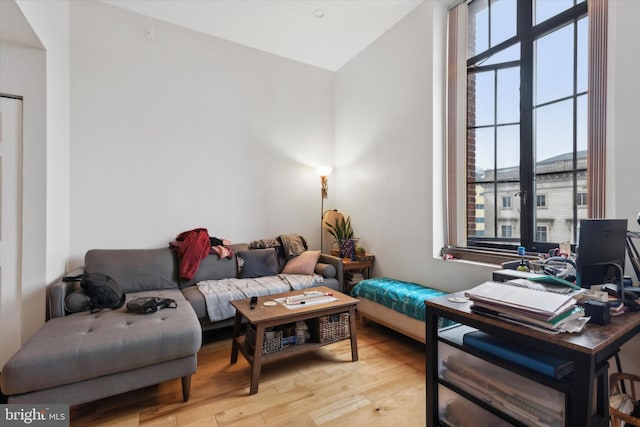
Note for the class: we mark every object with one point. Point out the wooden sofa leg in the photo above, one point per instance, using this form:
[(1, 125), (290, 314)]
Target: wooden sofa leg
[(186, 387)]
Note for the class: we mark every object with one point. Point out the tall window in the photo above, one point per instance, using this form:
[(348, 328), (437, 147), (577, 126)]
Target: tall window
[(526, 120)]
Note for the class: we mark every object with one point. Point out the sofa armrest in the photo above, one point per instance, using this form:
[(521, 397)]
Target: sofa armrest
[(336, 262), (57, 293)]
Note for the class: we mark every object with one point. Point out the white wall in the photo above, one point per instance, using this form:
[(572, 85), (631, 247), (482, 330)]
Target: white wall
[(22, 71), (50, 21), (623, 133), (187, 130), (389, 112), (389, 134)]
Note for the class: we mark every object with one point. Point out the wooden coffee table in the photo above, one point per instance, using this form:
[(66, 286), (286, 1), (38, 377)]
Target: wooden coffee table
[(264, 316)]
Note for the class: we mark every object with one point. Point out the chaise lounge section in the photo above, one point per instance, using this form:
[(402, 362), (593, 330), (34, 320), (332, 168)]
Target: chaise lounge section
[(88, 356)]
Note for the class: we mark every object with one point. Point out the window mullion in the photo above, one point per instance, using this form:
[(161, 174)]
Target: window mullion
[(575, 132), (527, 154)]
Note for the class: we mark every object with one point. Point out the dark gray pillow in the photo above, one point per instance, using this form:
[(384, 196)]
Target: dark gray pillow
[(77, 301), (325, 270), (257, 263)]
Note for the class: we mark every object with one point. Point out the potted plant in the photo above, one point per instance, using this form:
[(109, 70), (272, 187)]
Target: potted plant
[(342, 231), (360, 252)]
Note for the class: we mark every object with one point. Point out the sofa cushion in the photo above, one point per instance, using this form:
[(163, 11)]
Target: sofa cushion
[(197, 301), (257, 263), (135, 269), (305, 263), (82, 346)]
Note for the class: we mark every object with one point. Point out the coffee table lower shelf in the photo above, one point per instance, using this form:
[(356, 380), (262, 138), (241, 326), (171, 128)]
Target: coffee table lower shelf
[(292, 350)]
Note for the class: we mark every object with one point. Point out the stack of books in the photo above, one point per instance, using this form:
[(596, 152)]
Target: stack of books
[(534, 307)]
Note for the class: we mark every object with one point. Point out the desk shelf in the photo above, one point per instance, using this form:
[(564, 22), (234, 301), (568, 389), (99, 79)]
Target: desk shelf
[(515, 397), (589, 351)]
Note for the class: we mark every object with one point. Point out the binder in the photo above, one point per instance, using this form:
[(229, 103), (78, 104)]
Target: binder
[(544, 363)]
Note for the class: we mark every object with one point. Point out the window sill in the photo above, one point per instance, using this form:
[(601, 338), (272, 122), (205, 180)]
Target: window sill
[(485, 256)]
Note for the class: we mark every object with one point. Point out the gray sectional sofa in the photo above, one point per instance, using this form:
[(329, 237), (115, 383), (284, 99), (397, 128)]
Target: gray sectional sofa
[(81, 356)]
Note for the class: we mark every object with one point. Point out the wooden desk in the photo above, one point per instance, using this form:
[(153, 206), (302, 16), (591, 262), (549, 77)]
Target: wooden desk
[(590, 350)]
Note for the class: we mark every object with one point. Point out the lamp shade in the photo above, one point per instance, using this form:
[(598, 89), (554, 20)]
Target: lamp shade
[(324, 170)]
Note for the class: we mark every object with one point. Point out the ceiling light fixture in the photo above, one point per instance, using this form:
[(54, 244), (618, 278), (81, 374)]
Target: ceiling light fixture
[(318, 13)]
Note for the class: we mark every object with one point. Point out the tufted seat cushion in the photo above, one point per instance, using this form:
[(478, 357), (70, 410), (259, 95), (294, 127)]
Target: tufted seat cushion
[(83, 346)]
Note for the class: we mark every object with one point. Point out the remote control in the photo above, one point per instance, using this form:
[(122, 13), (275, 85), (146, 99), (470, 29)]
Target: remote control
[(254, 301)]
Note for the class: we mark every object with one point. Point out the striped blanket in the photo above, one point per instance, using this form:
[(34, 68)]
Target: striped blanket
[(219, 293)]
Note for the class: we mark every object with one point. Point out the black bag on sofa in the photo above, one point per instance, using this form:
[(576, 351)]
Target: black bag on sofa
[(103, 291), (146, 305)]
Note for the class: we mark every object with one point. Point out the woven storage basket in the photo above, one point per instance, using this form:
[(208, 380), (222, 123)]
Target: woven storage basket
[(618, 417), (334, 327), (270, 345)]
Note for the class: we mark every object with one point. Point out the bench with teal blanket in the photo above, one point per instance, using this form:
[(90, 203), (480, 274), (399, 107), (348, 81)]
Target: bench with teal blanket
[(404, 297)]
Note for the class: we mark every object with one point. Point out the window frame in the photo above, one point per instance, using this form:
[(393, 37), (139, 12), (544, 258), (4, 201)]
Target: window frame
[(455, 186), (527, 34)]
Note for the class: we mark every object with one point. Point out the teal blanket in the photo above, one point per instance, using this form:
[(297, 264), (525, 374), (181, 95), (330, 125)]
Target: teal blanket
[(404, 297)]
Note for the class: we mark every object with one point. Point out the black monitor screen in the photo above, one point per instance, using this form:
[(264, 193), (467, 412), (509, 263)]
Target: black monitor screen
[(602, 242)]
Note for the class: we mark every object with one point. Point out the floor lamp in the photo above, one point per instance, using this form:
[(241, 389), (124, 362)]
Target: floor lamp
[(323, 172)]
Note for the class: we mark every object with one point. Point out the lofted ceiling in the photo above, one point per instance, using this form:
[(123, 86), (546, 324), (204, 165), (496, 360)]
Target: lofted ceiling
[(322, 33), (14, 27)]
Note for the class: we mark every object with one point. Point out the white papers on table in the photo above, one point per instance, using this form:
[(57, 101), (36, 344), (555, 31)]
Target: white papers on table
[(300, 301), (536, 301)]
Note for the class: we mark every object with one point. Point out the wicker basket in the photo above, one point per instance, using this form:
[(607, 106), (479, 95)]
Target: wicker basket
[(618, 416), (271, 345), (334, 327)]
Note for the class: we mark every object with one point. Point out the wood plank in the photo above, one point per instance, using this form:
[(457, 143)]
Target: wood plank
[(386, 386)]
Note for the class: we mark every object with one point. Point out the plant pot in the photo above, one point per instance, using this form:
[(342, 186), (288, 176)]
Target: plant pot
[(348, 248)]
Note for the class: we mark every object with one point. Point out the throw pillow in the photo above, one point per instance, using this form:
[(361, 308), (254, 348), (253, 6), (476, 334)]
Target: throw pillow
[(305, 263), (77, 301), (257, 263)]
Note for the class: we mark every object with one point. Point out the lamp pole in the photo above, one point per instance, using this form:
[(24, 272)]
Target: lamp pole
[(323, 172)]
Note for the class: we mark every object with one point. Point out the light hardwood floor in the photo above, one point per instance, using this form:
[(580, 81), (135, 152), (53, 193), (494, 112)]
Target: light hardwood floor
[(385, 387)]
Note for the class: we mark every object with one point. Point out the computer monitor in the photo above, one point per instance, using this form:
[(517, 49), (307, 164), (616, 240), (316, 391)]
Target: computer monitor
[(601, 252)]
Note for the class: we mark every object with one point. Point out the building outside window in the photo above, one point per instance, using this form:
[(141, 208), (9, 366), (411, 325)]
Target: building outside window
[(506, 231), (541, 233), (506, 202), (541, 200), (526, 120), (582, 199)]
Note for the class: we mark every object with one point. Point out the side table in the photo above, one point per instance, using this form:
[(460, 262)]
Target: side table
[(362, 266)]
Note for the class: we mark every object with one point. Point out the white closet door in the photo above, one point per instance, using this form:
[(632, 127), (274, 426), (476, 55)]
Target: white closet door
[(10, 226)]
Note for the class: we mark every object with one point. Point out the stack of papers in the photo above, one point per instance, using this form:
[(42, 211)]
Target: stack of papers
[(526, 305)]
